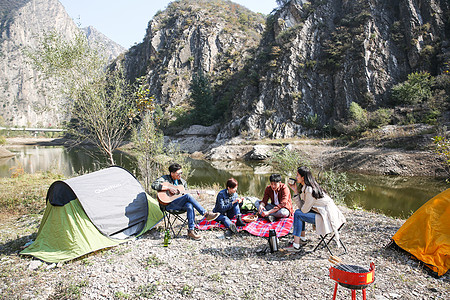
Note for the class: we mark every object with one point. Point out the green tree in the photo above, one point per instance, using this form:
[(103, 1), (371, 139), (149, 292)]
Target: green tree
[(97, 100), (286, 161), (152, 155), (202, 96), (417, 88)]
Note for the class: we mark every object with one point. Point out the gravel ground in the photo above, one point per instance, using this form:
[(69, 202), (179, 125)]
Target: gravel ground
[(217, 267)]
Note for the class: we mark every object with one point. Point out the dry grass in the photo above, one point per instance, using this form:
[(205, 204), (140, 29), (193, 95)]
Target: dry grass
[(25, 194)]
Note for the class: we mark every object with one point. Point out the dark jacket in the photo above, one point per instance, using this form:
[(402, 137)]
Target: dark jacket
[(224, 201), (156, 185)]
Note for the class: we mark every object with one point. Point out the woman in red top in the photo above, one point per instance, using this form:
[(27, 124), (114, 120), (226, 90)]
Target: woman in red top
[(280, 205)]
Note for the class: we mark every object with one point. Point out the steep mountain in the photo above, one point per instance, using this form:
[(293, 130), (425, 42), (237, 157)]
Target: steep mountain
[(95, 37), (215, 36), (306, 64), (319, 56), (21, 24)]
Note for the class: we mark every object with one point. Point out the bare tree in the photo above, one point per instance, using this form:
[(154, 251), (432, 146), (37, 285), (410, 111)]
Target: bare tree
[(98, 100)]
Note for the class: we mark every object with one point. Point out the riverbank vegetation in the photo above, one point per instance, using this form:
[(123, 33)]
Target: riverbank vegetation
[(25, 193)]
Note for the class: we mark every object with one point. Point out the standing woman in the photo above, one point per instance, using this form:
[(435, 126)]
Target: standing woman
[(316, 207)]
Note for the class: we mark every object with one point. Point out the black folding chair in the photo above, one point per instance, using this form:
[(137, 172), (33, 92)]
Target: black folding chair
[(171, 216), (326, 243)]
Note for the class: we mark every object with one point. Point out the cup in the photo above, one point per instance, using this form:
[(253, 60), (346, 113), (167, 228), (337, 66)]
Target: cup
[(291, 181)]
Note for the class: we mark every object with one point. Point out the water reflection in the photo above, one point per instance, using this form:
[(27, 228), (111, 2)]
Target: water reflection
[(394, 196), (66, 161)]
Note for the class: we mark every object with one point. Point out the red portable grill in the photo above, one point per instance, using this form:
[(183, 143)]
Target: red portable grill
[(352, 277)]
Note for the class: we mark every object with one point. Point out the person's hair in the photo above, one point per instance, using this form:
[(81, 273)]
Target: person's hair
[(318, 191), (275, 178), (232, 183), (174, 167)]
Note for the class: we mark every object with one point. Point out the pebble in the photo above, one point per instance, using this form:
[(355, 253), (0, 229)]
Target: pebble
[(228, 269), (35, 264)]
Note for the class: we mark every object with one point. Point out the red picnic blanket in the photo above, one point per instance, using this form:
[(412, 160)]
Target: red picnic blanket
[(260, 227)]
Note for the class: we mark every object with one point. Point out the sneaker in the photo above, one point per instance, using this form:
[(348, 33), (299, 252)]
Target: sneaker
[(303, 242), (228, 233), (209, 216), (193, 235), (239, 221), (292, 249), (271, 218), (233, 228)]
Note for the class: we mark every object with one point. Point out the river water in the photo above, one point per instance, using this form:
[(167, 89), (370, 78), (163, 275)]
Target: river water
[(392, 195)]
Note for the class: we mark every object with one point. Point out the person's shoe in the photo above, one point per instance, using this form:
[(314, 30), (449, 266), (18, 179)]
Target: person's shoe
[(271, 218), (292, 249), (303, 242), (233, 228), (228, 233), (193, 235), (209, 216), (239, 221)]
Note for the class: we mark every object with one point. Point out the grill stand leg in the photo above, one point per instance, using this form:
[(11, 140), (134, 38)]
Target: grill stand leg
[(335, 290), (364, 294), (353, 294)]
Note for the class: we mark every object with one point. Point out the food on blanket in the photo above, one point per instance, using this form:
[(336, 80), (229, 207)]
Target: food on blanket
[(249, 218)]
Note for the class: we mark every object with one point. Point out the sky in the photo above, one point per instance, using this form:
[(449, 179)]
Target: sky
[(125, 22)]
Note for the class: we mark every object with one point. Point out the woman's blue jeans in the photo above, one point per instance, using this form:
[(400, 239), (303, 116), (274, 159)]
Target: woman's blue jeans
[(299, 220), (226, 217), (188, 203)]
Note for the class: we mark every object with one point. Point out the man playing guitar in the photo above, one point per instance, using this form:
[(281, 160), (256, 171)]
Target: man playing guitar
[(168, 184)]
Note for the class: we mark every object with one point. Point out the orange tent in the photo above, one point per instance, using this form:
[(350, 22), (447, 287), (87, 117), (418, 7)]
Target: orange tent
[(426, 234)]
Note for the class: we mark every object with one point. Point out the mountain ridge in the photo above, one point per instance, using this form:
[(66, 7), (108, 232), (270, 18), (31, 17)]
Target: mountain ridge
[(21, 24)]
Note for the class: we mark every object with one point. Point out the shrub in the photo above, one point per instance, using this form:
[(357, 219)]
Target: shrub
[(417, 88), (357, 113), (338, 186), (380, 117), (286, 161), (442, 148)]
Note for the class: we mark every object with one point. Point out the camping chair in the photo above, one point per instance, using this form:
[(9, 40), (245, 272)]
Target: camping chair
[(170, 218), (326, 243)]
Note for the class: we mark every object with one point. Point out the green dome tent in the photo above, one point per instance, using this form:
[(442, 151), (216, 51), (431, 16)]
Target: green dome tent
[(91, 212)]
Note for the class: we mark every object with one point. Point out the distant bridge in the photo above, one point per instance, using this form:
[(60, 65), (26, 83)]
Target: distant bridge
[(33, 129)]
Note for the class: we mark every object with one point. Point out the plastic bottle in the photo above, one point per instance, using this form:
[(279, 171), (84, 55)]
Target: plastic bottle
[(166, 238)]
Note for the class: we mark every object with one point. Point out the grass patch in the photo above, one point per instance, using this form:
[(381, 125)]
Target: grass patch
[(68, 290), (25, 194)]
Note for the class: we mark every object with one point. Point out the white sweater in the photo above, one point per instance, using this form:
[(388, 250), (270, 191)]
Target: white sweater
[(328, 218)]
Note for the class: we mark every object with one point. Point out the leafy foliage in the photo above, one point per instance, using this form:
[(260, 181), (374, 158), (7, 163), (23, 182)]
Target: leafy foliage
[(153, 158), (338, 186), (417, 88), (101, 100), (202, 96), (360, 120), (286, 162), (442, 148)]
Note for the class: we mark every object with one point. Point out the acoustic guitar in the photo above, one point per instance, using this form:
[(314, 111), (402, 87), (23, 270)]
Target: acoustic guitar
[(165, 197)]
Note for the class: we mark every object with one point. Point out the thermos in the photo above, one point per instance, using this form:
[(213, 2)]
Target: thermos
[(273, 241)]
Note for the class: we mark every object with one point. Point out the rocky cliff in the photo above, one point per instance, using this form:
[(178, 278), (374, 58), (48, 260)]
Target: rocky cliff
[(96, 38), (216, 36), (21, 24), (311, 61), (319, 56)]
